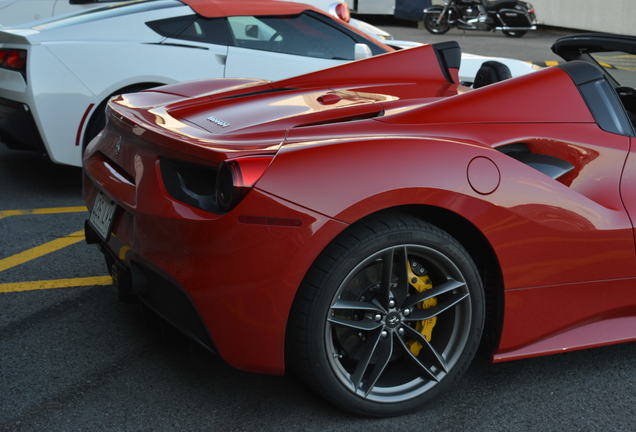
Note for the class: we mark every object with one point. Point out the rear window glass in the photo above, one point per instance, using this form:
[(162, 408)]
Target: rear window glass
[(194, 28), (619, 65), (171, 27), (109, 11)]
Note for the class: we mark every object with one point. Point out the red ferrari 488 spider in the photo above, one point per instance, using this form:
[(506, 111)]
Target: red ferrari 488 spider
[(369, 226)]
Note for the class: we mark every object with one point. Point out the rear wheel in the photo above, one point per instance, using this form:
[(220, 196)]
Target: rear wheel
[(514, 34), (431, 24), (389, 315), (98, 119)]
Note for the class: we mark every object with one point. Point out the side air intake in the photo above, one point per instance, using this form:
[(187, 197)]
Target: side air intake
[(548, 165)]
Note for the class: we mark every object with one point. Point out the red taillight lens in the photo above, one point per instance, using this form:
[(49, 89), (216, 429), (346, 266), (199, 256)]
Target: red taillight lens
[(342, 10), (13, 59), (235, 177)]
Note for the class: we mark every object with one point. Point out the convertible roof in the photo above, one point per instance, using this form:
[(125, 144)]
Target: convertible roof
[(569, 47), (223, 8)]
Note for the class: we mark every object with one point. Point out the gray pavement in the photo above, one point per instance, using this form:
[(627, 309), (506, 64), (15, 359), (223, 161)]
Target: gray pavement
[(76, 359)]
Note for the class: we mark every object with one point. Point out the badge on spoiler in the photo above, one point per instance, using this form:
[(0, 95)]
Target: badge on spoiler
[(218, 121)]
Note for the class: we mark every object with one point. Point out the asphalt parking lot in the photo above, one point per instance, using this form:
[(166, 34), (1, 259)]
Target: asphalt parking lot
[(73, 358)]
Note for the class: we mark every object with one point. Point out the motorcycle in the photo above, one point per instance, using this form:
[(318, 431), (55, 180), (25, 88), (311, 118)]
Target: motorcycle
[(514, 18)]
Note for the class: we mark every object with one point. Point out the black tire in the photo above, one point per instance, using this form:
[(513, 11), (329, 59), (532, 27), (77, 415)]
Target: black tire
[(430, 23), (98, 119), (344, 288), (514, 34)]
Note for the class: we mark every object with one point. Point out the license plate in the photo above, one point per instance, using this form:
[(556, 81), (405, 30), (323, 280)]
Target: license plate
[(101, 217)]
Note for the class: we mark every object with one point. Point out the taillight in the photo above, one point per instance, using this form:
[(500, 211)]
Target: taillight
[(235, 178), (216, 189), (13, 59), (341, 10)]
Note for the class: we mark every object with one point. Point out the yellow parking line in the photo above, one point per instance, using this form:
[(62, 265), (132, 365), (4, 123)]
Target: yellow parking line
[(43, 249), (52, 210), (551, 63), (55, 283)]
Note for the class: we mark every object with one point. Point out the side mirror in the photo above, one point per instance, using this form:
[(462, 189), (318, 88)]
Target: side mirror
[(251, 31), (361, 51)]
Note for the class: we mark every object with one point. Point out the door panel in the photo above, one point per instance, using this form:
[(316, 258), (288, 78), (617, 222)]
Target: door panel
[(251, 63), (196, 60)]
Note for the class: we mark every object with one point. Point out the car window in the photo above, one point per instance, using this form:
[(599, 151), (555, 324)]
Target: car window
[(619, 65), (293, 34), (246, 28), (171, 27), (194, 28)]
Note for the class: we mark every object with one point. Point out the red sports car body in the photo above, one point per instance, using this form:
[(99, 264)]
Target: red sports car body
[(304, 223)]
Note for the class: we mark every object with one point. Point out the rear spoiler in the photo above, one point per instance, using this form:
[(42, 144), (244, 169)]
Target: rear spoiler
[(16, 36)]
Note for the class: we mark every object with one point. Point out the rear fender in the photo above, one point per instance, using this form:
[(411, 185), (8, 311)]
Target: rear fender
[(510, 203)]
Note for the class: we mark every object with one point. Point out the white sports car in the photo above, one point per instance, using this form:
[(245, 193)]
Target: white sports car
[(56, 77)]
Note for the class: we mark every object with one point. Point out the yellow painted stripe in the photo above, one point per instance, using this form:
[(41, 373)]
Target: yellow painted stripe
[(55, 283), (551, 63), (52, 210), (43, 249)]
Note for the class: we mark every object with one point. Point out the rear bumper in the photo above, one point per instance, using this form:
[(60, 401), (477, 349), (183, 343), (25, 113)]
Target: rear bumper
[(237, 278), (158, 292), (18, 129)]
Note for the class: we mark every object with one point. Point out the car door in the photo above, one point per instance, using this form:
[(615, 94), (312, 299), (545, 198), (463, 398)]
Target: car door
[(277, 47), (196, 46)]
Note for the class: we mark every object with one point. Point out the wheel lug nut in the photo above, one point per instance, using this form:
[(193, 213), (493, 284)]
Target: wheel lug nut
[(401, 331), (384, 333), (406, 312), (391, 303), (377, 317)]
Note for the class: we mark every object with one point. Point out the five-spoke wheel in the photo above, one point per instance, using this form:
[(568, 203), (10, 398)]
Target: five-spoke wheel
[(387, 318)]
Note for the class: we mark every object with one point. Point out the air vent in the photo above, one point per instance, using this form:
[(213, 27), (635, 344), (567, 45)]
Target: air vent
[(548, 165), (363, 116)]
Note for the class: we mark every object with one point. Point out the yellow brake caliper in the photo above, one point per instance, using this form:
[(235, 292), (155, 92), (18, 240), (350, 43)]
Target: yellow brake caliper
[(425, 327)]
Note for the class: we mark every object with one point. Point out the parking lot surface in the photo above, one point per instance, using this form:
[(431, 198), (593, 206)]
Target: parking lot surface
[(74, 358)]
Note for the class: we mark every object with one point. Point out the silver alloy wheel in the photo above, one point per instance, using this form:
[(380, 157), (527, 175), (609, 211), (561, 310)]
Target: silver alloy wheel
[(372, 320)]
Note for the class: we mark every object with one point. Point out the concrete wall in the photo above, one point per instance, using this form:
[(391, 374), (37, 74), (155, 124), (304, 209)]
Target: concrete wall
[(613, 16)]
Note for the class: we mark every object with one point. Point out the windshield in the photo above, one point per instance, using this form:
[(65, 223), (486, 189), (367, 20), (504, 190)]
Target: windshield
[(109, 11)]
